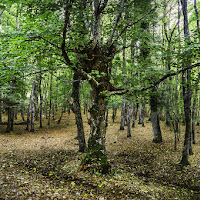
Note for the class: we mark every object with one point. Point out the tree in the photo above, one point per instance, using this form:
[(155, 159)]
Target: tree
[(87, 37), (187, 93), (77, 111)]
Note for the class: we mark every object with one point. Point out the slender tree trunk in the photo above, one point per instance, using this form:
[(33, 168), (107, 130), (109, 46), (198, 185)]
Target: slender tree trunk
[(50, 100), (140, 113), (123, 116), (143, 113), (77, 110), (28, 117), (32, 106), (114, 113), (193, 115), (36, 108), (41, 99), (134, 109), (68, 115), (22, 114), (107, 118), (129, 120), (8, 120), (197, 16), (62, 111), (11, 119)]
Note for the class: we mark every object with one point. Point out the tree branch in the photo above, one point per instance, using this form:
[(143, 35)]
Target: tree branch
[(40, 37), (66, 24), (131, 24), (116, 22), (124, 91)]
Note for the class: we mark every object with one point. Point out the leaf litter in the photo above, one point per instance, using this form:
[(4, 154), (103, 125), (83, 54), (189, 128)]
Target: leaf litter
[(43, 165)]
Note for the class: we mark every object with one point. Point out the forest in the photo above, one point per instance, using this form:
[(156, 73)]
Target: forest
[(99, 99)]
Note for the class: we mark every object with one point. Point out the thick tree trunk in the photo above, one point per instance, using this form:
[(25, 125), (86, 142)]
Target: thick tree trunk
[(96, 152), (157, 136), (77, 110)]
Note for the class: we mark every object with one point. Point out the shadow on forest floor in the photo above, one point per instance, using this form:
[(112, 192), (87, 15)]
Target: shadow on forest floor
[(43, 165)]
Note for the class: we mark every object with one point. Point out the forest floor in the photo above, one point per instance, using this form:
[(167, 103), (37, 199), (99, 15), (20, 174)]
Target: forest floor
[(43, 165)]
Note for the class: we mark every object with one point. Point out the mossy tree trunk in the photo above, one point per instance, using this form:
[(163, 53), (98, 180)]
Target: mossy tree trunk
[(96, 158)]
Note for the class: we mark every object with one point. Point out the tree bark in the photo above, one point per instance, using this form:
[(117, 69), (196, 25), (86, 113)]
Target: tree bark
[(123, 115), (129, 120), (193, 115), (50, 100), (32, 106), (134, 111), (96, 152), (197, 16), (8, 120), (157, 136), (187, 94), (41, 99), (77, 110)]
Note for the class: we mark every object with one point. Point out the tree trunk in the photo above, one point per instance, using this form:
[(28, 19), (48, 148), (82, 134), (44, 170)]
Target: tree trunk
[(41, 99), (134, 111), (123, 116), (22, 114), (77, 110), (96, 152), (114, 113), (193, 115), (68, 115), (32, 106), (9, 120), (143, 113), (107, 118), (129, 120), (157, 136), (197, 16), (187, 94), (50, 100), (28, 117)]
